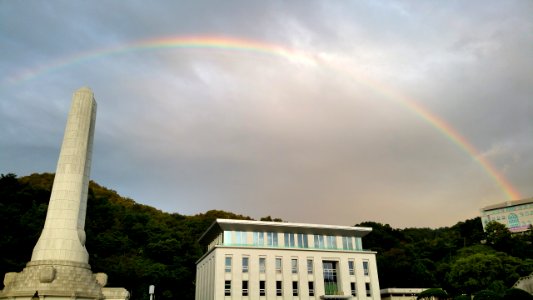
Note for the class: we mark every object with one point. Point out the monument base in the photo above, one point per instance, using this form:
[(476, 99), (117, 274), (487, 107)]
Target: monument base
[(54, 279)]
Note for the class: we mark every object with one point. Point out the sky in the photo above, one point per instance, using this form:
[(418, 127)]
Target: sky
[(409, 113)]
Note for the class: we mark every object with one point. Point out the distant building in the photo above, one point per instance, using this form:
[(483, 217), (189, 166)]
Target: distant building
[(400, 293), (516, 215), (278, 260)]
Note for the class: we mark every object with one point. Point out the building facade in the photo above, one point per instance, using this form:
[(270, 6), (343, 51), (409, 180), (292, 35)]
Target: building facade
[(278, 260), (516, 215)]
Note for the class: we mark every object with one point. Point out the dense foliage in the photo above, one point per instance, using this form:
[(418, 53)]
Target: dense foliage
[(137, 245)]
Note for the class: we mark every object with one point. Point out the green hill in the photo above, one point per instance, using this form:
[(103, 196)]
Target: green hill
[(138, 245)]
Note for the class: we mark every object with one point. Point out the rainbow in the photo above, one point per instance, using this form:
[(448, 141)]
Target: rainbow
[(293, 55)]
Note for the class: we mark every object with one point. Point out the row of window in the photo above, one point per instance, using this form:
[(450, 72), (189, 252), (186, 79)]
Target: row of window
[(279, 264), (290, 240), (509, 209), (295, 289)]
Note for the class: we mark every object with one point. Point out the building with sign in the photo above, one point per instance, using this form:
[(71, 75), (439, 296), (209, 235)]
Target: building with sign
[(279, 260), (516, 215)]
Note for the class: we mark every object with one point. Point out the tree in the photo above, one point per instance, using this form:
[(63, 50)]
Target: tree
[(498, 236), (516, 294), (487, 295), (433, 294)]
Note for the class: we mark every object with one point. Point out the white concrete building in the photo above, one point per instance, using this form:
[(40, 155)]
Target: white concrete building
[(516, 215), (278, 260)]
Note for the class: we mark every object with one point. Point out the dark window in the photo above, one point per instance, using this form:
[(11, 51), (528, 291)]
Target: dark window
[(279, 289), (353, 288), (295, 288), (245, 287), (261, 288), (227, 288), (311, 288)]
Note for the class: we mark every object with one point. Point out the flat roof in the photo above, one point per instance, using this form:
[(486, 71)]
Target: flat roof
[(269, 226), (402, 290), (508, 204)]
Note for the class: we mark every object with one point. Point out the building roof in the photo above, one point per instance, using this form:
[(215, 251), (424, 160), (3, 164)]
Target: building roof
[(508, 204), (268, 226), (389, 291)]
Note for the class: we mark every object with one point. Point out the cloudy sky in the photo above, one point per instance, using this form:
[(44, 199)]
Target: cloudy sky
[(311, 111)]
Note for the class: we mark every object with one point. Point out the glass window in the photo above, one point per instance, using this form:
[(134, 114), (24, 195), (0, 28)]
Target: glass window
[(245, 287), (358, 244), (309, 266), (278, 264), (279, 289), (245, 261), (365, 267), (227, 238), (331, 241), (330, 277), (311, 288), (319, 241), (227, 288), (351, 267), (302, 240), (289, 239), (272, 239), (353, 288), (262, 264), (295, 288), (347, 243), (259, 238), (240, 238), (262, 288), (294, 265), (228, 264), (368, 291)]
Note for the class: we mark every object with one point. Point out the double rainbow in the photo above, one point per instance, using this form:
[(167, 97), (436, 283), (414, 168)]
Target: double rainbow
[(246, 45)]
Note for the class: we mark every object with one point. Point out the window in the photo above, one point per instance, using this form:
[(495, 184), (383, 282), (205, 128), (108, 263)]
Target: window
[(289, 239), (227, 238), (262, 264), (319, 241), (311, 288), (331, 242), (351, 267), (365, 267), (309, 266), (294, 265), (272, 239), (240, 238), (330, 277), (228, 264), (278, 264), (279, 289), (245, 261), (353, 288), (259, 238), (368, 291), (245, 287), (347, 243), (302, 240), (227, 288), (262, 288), (358, 244), (295, 288)]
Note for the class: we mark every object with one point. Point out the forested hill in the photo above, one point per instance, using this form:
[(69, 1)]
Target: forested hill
[(138, 245)]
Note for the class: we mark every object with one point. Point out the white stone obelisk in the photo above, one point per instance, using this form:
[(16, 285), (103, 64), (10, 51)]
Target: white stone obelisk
[(59, 266), (63, 236)]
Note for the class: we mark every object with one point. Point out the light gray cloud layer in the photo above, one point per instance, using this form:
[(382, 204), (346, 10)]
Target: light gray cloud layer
[(325, 141)]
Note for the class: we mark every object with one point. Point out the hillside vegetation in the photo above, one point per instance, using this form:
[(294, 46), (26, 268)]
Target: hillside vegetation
[(138, 245)]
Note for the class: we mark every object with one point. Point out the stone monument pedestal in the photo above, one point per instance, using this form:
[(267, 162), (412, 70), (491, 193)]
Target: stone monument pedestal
[(59, 280)]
